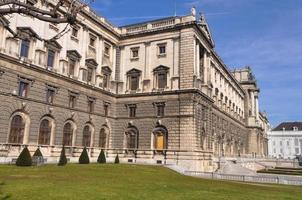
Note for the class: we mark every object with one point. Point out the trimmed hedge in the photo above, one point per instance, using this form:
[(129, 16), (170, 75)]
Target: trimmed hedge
[(24, 159), (63, 159), (117, 160), (102, 157), (38, 153), (84, 158)]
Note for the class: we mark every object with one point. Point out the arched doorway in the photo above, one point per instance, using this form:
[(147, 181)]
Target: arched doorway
[(131, 137), (160, 138)]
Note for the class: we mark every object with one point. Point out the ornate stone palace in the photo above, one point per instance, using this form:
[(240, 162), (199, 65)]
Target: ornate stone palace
[(153, 92)]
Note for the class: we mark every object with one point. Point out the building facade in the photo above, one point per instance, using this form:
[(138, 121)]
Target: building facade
[(153, 92), (285, 141)]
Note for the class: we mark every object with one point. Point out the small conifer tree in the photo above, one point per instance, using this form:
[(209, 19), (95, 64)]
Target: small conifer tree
[(37, 158), (24, 159), (102, 157), (84, 158), (63, 159), (38, 153), (117, 160)]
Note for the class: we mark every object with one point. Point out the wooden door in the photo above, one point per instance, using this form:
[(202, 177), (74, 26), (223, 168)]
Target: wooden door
[(160, 142)]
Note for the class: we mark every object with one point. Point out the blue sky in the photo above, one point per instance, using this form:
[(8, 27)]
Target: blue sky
[(263, 34)]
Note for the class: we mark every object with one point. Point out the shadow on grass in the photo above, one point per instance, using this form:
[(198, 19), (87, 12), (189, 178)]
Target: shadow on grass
[(3, 196)]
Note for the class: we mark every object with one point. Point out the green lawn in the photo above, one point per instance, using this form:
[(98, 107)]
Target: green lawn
[(94, 181)]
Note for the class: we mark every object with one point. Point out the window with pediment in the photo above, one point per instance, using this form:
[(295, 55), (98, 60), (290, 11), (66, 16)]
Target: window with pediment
[(91, 65), (53, 48), (161, 73), (106, 73), (133, 79), (73, 62)]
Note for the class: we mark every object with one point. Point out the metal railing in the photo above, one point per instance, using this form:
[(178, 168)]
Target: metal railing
[(286, 180)]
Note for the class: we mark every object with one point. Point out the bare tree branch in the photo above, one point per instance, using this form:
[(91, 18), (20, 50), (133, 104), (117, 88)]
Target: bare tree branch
[(63, 12)]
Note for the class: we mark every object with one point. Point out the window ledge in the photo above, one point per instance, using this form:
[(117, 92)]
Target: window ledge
[(134, 59), (162, 55), (74, 39)]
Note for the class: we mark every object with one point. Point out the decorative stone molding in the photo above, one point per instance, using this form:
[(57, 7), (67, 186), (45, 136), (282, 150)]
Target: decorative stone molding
[(1, 73)]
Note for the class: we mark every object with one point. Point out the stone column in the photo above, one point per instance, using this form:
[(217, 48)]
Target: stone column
[(197, 60), (253, 102), (257, 107), (205, 67)]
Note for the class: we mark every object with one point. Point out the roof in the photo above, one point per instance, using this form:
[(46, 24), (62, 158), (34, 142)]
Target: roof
[(149, 21), (288, 126)]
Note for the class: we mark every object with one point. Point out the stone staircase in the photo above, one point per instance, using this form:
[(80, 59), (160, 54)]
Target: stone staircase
[(235, 168)]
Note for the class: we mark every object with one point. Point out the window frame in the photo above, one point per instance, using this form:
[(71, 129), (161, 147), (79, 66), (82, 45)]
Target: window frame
[(159, 49), (91, 104), (87, 135), (21, 89), (132, 110), (72, 99), (50, 54), (43, 130), (25, 45), (134, 53)]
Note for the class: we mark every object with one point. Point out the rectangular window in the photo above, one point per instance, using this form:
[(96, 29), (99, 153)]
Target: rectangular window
[(105, 80), (91, 106), (50, 96), (134, 53), (106, 49), (92, 41), (106, 110), (160, 110), (162, 49), (134, 82), (89, 74), (84, 75), (132, 111), (162, 80), (280, 143), (72, 101), (72, 65), (74, 32), (50, 58), (296, 142), (23, 89), (24, 48)]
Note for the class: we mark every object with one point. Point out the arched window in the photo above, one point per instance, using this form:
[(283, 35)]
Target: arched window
[(86, 136), (45, 132), (131, 137), (160, 140), (103, 138), (17, 130), (67, 134)]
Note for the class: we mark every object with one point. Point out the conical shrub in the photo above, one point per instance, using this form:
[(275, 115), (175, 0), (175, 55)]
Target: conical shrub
[(38, 153), (117, 160), (102, 157), (24, 159), (63, 159), (84, 158), (37, 158)]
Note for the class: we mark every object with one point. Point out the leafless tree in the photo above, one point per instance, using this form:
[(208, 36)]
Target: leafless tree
[(60, 12)]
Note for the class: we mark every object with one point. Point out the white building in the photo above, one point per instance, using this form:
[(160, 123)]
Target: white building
[(285, 141)]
